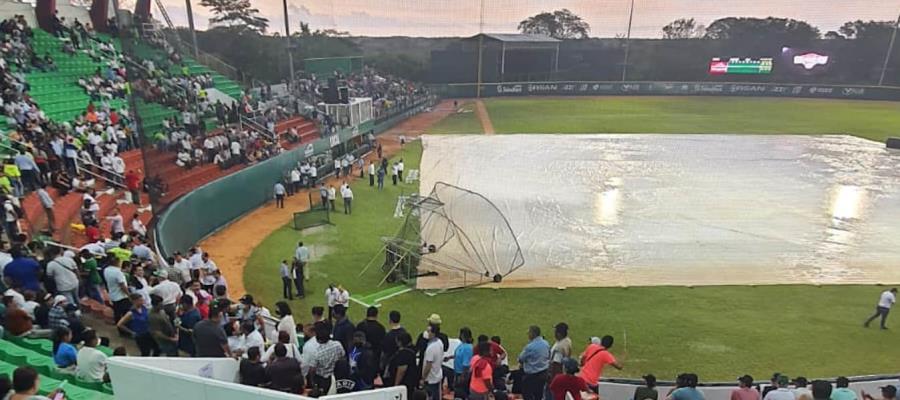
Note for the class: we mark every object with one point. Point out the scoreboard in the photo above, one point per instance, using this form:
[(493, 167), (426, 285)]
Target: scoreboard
[(740, 66)]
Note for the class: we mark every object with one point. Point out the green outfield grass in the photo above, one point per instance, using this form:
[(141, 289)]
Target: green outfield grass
[(464, 121), (874, 120), (716, 332)]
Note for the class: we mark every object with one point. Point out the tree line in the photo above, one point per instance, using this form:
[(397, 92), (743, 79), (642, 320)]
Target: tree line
[(239, 36)]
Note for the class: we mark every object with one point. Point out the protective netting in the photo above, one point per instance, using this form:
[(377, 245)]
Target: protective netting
[(456, 237)]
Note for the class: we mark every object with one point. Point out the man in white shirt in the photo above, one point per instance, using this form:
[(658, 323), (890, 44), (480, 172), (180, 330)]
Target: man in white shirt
[(432, 373), (91, 364), (117, 286), (118, 165), (251, 338), (207, 270), (332, 194), (183, 266), (887, 300), (295, 180), (400, 170), (347, 195), (371, 173), (313, 176), (168, 291), (63, 270), (782, 392)]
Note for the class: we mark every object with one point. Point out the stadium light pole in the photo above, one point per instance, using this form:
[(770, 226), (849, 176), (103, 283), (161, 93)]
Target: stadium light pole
[(290, 50), (190, 15), (890, 49), (627, 42)]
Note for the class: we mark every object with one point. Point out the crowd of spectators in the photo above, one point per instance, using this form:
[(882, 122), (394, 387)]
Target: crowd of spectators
[(388, 92), (68, 156)]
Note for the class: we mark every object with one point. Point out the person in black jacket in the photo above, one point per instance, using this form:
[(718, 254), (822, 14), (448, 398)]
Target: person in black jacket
[(374, 331), (252, 371)]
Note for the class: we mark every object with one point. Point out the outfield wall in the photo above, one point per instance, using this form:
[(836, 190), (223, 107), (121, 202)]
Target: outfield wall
[(208, 208), (513, 89)]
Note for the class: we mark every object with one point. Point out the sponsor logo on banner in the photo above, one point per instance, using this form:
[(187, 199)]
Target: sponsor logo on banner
[(810, 60), (568, 88), (854, 91), (309, 150), (542, 87), (747, 88), (631, 87), (797, 90), (509, 88), (821, 90), (334, 140), (709, 88)]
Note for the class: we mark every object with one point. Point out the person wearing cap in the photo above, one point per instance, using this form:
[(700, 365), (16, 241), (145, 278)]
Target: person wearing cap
[(434, 320), (885, 302), (773, 384), (745, 390), (568, 381), (57, 317), (888, 392), (781, 392), (168, 291), (534, 361), (595, 358), (842, 390)]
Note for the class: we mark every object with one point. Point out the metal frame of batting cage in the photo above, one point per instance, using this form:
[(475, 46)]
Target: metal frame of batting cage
[(316, 207)]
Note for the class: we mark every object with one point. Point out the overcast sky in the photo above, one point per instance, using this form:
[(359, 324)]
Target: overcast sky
[(606, 17)]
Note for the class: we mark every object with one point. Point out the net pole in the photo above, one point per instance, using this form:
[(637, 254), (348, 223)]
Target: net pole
[(890, 49)]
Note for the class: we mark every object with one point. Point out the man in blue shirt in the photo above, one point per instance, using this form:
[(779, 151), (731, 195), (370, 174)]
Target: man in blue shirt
[(22, 272), (534, 362)]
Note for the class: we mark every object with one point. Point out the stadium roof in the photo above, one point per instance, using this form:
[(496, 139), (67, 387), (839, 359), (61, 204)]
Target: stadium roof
[(518, 37)]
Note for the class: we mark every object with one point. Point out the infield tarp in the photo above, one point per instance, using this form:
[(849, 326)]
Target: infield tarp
[(610, 210)]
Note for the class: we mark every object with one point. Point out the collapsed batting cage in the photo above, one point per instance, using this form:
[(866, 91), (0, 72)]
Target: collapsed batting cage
[(451, 238), (317, 214)]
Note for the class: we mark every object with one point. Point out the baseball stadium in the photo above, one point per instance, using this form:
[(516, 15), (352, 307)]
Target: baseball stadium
[(394, 200)]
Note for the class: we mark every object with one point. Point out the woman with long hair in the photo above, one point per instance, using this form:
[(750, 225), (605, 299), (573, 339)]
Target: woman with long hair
[(286, 321)]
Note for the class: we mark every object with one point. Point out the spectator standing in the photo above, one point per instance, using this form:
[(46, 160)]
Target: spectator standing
[(595, 358), (347, 195), (402, 366), (286, 322), (389, 344), (371, 173), (323, 194), (301, 265), (332, 194), (47, 203), (161, 329), (23, 271), (432, 373), (481, 384), (284, 372), (187, 320), (561, 350), (64, 272), (210, 339), (462, 362), (375, 333), (885, 302), (137, 324), (781, 392), (328, 353), (535, 363), (286, 272), (745, 390), (361, 362), (279, 195), (252, 371), (169, 292), (343, 328), (117, 286), (133, 183)]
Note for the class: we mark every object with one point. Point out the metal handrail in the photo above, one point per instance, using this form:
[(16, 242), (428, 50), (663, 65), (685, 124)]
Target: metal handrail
[(96, 175), (256, 126)]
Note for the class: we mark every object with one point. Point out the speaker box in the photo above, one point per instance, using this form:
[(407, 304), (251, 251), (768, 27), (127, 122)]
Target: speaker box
[(893, 143)]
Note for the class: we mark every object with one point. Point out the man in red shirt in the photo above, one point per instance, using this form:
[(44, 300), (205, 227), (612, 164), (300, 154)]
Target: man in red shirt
[(133, 182), (568, 382), (595, 358)]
